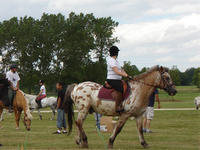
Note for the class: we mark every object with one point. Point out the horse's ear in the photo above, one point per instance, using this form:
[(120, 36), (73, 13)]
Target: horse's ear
[(162, 69)]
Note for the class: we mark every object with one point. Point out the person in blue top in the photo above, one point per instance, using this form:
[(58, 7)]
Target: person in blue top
[(148, 115)]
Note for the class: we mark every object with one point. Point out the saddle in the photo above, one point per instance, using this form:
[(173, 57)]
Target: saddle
[(105, 92)]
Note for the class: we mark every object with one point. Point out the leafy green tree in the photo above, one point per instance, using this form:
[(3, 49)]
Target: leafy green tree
[(132, 70), (103, 36), (175, 75)]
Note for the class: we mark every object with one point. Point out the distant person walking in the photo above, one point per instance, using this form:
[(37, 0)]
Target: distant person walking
[(42, 94), (13, 79), (61, 122), (149, 114)]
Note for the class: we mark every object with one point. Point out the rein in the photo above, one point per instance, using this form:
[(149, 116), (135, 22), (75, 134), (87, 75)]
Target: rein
[(152, 85), (136, 80)]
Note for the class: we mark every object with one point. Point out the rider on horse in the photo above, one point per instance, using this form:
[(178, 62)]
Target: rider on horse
[(13, 79), (42, 94), (114, 77)]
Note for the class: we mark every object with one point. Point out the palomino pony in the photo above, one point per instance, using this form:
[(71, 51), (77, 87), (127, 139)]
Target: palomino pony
[(20, 104), (46, 102), (85, 98)]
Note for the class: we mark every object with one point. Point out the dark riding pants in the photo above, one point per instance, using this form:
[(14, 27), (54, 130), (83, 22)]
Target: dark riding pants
[(11, 96)]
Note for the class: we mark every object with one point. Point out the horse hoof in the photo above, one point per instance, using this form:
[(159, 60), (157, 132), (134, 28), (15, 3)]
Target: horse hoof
[(17, 128), (110, 146), (145, 145), (77, 142), (83, 145)]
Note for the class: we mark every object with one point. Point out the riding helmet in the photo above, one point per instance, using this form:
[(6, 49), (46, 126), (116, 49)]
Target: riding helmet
[(114, 51), (41, 81), (13, 66)]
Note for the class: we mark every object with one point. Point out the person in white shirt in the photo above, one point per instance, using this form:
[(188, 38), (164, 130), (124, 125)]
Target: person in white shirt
[(114, 77), (42, 94), (13, 79)]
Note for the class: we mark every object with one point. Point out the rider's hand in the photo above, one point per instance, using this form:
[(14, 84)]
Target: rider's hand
[(15, 89)]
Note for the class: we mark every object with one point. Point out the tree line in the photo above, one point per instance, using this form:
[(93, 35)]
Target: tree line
[(68, 49)]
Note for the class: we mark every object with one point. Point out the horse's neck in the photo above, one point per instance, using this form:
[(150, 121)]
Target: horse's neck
[(145, 87)]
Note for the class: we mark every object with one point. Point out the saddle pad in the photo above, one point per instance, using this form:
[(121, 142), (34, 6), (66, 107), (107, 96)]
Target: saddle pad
[(105, 94)]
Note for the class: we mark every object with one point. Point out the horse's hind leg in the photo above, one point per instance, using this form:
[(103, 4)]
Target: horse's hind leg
[(122, 120), (139, 124), (82, 138)]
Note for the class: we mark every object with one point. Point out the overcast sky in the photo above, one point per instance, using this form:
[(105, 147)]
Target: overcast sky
[(164, 32)]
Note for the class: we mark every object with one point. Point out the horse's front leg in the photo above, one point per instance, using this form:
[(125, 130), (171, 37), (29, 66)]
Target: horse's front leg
[(139, 124), (1, 114), (122, 120), (53, 112), (40, 115), (17, 117)]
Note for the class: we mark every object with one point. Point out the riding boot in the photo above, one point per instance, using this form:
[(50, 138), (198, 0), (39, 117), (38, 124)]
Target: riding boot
[(39, 103), (11, 97), (11, 105), (10, 109), (118, 97)]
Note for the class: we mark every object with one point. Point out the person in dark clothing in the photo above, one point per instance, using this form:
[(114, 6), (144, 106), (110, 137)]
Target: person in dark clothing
[(148, 115), (61, 121)]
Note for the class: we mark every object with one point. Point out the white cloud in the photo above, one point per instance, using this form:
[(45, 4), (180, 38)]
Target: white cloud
[(149, 29), (164, 59), (161, 41), (195, 59)]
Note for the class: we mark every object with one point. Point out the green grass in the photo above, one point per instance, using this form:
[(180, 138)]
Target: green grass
[(183, 99), (173, 130)]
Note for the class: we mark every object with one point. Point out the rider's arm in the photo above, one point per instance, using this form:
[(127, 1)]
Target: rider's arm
[(121, 73), (17, 88), (158, 100), (58, 103), (41, 92)]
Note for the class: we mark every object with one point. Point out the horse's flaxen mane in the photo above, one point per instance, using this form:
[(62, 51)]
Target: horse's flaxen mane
[(28, 113), (143, 75)]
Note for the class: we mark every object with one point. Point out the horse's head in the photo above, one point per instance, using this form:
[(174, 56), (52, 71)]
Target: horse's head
[(27, 123), (166, 81)]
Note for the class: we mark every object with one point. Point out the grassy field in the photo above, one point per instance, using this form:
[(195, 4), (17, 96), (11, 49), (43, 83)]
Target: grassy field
[(172, 130)]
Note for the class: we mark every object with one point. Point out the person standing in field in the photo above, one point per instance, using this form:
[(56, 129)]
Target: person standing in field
[(61, 122), (149, 114), (42, 94), (13, 79)]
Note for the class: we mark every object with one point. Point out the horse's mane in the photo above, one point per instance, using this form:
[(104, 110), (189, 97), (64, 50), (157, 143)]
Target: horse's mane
[(28, 113), (143, 75)]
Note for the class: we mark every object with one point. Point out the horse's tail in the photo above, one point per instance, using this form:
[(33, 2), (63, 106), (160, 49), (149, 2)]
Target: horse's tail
[(68, 106)]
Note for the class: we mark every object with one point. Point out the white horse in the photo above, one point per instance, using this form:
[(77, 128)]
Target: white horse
[(197, 102), (46, 102)]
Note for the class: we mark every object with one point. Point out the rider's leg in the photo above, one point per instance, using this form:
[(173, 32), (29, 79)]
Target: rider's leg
[(11, 95), (117, 94), (38, 101), (118, 97)]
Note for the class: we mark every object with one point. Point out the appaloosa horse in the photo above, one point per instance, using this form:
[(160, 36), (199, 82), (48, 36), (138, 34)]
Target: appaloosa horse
[(85, 98), (46, 102), (20, 104)]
